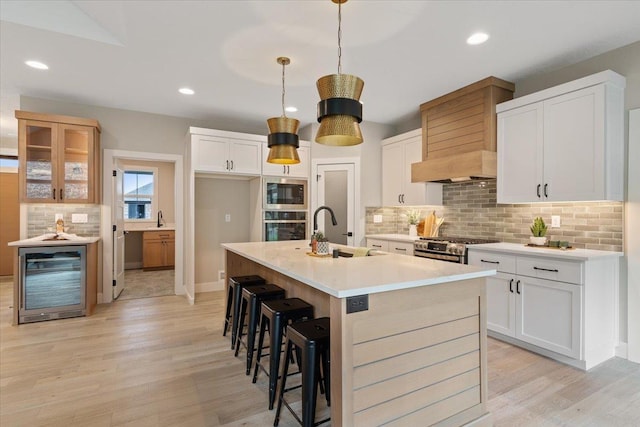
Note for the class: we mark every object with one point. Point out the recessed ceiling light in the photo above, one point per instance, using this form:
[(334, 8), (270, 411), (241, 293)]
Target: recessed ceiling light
[(37, 64), (291, 109), (478, 38), (186, 91)]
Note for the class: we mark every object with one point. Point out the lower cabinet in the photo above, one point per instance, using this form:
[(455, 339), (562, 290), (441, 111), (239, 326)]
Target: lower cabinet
[(158, 249), (572, 320), (393, 246)]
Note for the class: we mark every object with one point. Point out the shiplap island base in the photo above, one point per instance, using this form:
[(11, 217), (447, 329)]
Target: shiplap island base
[(416, 356)]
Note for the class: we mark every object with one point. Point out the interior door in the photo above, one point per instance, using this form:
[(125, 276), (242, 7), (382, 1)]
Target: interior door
[(336, 189), (118, 234)]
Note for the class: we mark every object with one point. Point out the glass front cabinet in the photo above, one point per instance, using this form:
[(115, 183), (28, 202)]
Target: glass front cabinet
[(59, 158)]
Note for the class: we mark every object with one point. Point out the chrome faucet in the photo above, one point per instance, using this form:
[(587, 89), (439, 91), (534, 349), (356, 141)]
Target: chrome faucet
[(160, 219), (315, 217)]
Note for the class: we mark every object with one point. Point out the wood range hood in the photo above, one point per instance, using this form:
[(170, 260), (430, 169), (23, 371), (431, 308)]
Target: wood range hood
[(459, 133)]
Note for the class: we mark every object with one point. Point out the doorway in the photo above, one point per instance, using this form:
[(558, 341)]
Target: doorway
[(334, 185), (10, 214), (112, 252)]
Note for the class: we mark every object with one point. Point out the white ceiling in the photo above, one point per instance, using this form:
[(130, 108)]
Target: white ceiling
[(136, 54)]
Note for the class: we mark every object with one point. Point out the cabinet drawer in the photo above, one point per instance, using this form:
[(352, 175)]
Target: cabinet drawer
[(501, 262), (379, 245), (159, 235), (400, 248), (551, 269)]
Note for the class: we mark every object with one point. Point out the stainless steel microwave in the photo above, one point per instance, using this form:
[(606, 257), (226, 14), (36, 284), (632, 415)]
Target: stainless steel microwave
[(285, 194)]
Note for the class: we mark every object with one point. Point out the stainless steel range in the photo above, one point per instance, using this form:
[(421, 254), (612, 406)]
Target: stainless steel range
[(452, 249)]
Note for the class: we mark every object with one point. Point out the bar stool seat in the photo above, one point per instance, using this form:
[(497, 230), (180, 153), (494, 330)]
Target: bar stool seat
[(276, 315), (252, 298), (234, 294), (311, 339)]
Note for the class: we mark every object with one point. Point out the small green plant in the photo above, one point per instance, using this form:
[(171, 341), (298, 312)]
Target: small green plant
[(539, 228), (318, 236), (413, 217)]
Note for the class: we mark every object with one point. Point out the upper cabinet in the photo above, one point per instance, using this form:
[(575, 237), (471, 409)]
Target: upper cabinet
[(565, 143), (226, 152), (59, 158), (398, 153), (300, 170)]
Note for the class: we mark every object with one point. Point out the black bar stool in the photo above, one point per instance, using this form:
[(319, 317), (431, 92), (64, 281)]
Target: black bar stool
[(252, 297), (234, 294), (311, 339), (276, 315)]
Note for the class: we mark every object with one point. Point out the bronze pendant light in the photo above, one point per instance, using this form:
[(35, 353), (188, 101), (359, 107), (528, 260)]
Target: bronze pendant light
[(283, 132), (339, 109)]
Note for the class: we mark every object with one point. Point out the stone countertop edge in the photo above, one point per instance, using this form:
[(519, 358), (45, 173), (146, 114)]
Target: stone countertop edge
[(394, 237), (374, 274), (522, 249), (35, 243)]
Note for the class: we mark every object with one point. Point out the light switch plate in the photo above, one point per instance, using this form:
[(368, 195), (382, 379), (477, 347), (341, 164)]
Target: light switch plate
[(227, 218), (377, 219), (555, 221), (79, 218), (57, 217)]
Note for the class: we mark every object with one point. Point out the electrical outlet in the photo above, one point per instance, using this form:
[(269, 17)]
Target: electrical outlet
[(227, 217), (377, 219), (79, 218), (221, 275), (555, 221), (357, 303)]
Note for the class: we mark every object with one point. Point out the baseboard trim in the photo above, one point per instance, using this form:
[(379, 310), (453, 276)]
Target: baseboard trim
[(218, 285), (622, 350), (136, 265)]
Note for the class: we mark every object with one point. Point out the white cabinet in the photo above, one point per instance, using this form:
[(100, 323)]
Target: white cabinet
[(562, 307), (392, 246), (300, 170), (565, 143), (398, 153), (226, 154)]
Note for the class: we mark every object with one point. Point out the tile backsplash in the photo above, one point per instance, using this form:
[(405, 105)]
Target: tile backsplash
[(41, 217), (470, 210)]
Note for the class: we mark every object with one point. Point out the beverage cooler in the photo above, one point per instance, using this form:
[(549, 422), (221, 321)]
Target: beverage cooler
[(52, 282)]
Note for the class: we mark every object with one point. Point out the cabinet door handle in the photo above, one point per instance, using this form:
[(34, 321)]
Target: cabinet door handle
[(61, 193), (377, 246), (401, 249), (227, 162), (284, 168), (538, 191), (231, 164), (545, 190), (399, 200), (288, 170), (490, 262), (518, 286), (403, 198), (554, 270), (54, 194), (511, 285)]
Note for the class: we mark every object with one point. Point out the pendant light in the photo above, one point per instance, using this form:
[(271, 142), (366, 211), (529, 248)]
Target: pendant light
[(339, 109), (283, 132)]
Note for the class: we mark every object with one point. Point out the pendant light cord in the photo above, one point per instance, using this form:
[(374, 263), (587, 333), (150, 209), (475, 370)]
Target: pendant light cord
[(283, 112), (339, 38)]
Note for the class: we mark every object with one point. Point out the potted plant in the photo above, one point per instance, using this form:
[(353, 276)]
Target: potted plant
[(319, 243), (413, 217), (539, 231)]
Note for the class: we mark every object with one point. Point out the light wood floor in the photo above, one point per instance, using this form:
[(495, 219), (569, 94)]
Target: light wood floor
[(161, 362)]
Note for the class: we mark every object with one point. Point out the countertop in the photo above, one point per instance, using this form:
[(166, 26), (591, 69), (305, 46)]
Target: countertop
[(34, 242), (570, 254), (394, 237), (344, 277)]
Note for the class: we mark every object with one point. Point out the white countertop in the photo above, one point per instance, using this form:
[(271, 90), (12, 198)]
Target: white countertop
[(38, 241), (569, 254), (344, 277), (394, 237)]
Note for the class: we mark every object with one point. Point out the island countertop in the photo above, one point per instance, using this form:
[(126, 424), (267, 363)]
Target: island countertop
[(345, 277)]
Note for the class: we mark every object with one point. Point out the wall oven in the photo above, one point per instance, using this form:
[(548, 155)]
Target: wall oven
[(52, 283), (284, 194), (284, 225)]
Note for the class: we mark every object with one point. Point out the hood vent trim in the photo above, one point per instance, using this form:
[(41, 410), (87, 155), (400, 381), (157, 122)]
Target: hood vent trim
[(480, 164)]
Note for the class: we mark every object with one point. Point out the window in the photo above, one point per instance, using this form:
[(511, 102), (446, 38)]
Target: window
[(140, 194), (8, 163)]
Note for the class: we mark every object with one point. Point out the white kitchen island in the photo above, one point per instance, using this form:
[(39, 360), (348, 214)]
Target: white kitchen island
[(415, 356)]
